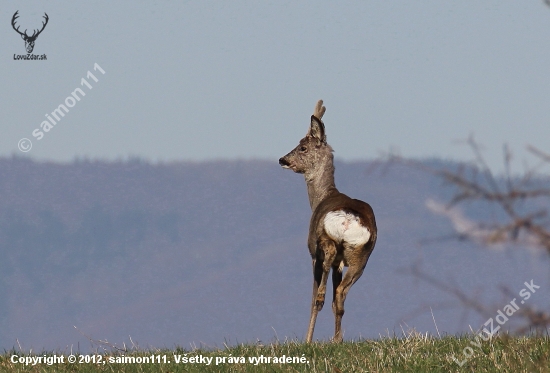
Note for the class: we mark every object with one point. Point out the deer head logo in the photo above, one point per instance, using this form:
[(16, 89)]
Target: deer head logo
[(29, 40)]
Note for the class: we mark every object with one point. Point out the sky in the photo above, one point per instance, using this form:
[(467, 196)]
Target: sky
[(204, 80)]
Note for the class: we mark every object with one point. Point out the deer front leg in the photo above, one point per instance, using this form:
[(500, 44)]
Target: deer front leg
[(317, 274), (336, 280)]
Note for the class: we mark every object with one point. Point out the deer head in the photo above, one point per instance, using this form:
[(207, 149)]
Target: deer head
[(29, 40), (313, 152)]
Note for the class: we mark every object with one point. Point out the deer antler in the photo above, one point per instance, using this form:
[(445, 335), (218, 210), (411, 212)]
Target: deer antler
[(319, 110), (15, 16), (35, 34)]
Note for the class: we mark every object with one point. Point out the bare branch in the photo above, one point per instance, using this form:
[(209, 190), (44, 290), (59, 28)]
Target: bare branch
[(539, 153), (532, 318), (523, 200)]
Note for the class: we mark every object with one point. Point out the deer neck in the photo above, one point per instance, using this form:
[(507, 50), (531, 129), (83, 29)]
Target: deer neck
[(320, 184)]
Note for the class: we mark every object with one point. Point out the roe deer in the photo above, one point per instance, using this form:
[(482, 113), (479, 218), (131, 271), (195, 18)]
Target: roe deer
[(342, 230)]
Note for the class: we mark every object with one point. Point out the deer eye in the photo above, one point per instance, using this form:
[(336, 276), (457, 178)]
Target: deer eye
[(303, 149)]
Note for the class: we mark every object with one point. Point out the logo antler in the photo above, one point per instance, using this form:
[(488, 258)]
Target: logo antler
[(29, 40)]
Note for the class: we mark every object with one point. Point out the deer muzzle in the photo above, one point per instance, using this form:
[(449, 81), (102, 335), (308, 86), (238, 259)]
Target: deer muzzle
[(284, 163)]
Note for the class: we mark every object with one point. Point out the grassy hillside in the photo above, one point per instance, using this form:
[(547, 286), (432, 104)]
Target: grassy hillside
[(414, 353)]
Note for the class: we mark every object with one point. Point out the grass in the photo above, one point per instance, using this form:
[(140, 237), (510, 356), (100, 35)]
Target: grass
[(412, 353)]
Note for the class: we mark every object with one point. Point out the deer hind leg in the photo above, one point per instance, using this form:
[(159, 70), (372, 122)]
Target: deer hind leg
[(341, 290), (326, 253)]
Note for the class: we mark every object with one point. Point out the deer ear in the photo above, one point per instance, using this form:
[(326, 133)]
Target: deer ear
[(317, 129)]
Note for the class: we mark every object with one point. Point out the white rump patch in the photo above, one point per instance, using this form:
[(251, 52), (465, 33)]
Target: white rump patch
[(344, 226)]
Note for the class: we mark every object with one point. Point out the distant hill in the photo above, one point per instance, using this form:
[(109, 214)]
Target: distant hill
[(207, 252)]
